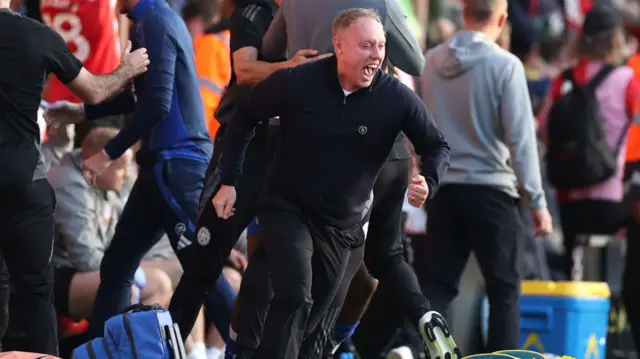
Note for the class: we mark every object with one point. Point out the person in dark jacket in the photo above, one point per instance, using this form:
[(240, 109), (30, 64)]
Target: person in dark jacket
[(216, 238), (168, 119), (339, 118), (30, 52), (383, 256)]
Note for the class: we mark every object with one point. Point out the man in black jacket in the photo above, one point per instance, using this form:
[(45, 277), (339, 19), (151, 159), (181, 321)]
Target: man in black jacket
[(384, 251), (248, 24), (339, 118)]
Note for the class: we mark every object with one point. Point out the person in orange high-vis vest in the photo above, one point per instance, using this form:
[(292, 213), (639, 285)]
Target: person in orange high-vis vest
[(211, 50), (213, 67)]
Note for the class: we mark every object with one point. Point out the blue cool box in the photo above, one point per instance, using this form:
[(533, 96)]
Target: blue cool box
[(565, 318)]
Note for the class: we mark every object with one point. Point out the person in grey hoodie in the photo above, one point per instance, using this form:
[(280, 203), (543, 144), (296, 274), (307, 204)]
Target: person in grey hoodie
[(478, 94)]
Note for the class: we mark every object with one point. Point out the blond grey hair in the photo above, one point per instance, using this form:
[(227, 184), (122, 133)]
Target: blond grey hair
[(348, 17)]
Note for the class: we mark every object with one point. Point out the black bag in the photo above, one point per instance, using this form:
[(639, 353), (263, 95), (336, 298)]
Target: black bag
[(577, 151)]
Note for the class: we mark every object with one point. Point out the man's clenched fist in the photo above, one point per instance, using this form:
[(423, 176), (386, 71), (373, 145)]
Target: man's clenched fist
[(418, 191)]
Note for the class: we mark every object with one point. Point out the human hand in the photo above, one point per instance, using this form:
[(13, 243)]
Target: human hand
[(224, 200), (303, 56), (134, 63), (418, 191), (238, 260), (542, 223), (63, 113)]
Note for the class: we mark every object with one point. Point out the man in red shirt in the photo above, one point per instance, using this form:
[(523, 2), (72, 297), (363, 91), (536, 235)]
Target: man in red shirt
[(90, 29)]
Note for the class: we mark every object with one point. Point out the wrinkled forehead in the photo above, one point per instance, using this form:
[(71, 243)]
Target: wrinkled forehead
[(366, 29)]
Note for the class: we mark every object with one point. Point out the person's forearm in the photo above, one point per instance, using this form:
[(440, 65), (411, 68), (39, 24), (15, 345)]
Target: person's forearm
[(435, 162), (429, 143), (239, 134), (123, 31), (108, 85), (274, 43), (261, 102), (520, 134), (151, 109), (121, 104), (523, 147), (526, 164), (253, 72)]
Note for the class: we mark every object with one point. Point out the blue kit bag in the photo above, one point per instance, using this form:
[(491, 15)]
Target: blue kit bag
[(141, 332)]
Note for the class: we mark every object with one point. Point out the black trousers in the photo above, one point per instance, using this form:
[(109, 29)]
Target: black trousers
[(384, 253), (5, 294), (216, 237), (384, 259), (485, 220), (256, 294), (306, 262), (26, 243), (384, 256), (318, 333), (382, 322)]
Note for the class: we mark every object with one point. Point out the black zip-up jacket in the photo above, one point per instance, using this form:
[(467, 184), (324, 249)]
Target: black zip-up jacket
[(332, 146)]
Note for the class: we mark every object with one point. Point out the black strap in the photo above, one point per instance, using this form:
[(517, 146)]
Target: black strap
[(141, 308), (595, 81), (593, 85), (568, 75), (625, 129), (600, 76)]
